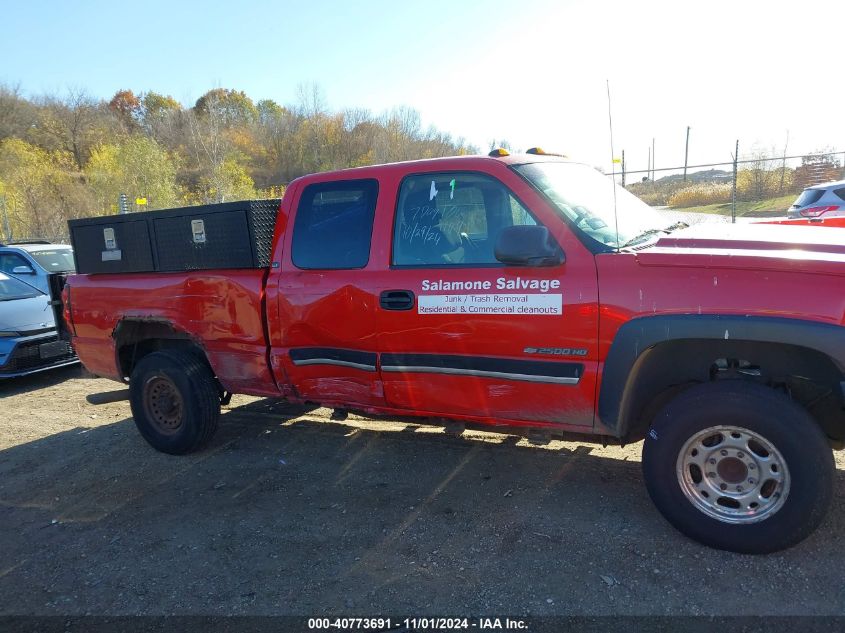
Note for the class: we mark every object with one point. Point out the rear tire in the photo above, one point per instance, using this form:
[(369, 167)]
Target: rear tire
[(739, 466), (175, 401)]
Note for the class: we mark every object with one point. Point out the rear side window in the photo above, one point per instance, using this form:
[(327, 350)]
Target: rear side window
[(334, 225), (840, 193), (9, 261), (808, 196)]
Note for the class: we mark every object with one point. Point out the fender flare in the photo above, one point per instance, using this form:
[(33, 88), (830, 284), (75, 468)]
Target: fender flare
[(160, 327), (637, 336)]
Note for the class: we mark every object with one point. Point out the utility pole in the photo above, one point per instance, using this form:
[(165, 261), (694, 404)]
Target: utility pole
[(733, 192), (686, 156), (623, 167), (653, 159), (783, 165), (648, 171), (7, 229)]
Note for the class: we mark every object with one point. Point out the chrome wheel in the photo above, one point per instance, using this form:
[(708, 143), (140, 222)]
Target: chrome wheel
[(733, 475), (163, 404)]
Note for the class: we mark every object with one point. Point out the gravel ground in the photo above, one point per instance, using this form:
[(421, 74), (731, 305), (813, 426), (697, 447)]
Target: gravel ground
[(288, 512)]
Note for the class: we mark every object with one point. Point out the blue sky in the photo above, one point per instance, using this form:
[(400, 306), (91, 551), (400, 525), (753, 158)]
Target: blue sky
[(530, 71)]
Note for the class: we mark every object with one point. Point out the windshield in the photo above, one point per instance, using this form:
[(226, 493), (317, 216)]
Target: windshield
[(59, 260), (13, 289), (585, 196)]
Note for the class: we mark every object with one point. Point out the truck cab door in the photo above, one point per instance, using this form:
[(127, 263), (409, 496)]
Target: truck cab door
[(462, 334), (323, 337)]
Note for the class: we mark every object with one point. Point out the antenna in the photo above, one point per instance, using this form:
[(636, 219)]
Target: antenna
[(613, 163)]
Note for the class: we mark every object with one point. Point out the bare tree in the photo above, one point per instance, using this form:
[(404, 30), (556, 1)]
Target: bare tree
[(76, 123), (310, 100), (758, 180), (17, 114), (208, 144)]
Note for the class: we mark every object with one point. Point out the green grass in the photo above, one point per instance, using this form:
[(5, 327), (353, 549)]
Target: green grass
[(773, 207)]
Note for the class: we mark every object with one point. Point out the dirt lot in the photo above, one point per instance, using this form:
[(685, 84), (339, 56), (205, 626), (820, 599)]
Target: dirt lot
[(290, 513)]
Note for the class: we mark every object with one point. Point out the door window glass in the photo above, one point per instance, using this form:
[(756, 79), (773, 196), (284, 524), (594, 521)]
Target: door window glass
[(453, 219)]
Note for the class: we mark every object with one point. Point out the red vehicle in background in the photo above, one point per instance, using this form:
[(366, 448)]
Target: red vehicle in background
[(510, 291), (831, 222)]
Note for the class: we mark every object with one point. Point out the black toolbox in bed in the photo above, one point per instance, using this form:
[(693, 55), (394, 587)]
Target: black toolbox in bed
[(226, 235)]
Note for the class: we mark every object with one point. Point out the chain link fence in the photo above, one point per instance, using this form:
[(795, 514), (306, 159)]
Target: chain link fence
[(754, 185)]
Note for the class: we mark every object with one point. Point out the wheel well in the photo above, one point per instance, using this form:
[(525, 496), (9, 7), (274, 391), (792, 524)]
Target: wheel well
[(134, 339), (810, 377)]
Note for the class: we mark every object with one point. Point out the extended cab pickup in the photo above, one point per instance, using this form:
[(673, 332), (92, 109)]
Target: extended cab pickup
[(516, 291)]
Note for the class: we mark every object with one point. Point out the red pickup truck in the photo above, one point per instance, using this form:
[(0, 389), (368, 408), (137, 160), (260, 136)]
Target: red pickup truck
[(522, 291)]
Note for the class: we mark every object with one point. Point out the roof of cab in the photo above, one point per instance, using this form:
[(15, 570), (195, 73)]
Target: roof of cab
[(445, 163)]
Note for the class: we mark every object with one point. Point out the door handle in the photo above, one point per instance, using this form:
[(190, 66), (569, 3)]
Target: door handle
[(396, 300)]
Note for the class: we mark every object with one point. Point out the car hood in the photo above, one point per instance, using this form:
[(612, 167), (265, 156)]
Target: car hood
[(759, 246), (25, 315)]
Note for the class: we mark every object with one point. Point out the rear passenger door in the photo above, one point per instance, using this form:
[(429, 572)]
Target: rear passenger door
[(324, 338), (461, 333)]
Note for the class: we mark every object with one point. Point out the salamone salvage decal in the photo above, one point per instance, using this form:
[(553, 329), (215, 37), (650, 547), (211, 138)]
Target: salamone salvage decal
[(521, 297)]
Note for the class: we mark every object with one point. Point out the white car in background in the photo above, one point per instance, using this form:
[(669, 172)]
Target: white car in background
[(32, 261), (820, 201)]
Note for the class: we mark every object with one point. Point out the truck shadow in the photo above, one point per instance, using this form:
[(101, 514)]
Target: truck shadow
[(287, 512), (47, 378)]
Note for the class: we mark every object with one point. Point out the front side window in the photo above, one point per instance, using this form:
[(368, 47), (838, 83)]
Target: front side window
[(453, 219), (12, 289), (334, 225)]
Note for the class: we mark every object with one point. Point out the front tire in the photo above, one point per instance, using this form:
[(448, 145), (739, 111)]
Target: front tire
[(739, 466), (175, 401)]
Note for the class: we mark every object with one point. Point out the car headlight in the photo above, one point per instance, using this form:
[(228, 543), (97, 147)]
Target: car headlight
[(8, 334)]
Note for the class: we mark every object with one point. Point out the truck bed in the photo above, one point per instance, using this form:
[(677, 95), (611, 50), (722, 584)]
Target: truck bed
[(222, 311)]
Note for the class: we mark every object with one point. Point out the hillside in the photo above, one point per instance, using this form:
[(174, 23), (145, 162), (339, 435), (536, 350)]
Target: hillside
[(73, 155)]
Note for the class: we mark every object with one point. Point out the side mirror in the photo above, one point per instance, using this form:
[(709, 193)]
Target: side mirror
[(23, 270), (528, 246)]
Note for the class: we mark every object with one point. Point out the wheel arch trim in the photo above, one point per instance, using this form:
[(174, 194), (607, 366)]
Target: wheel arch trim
[(136, 330), (637, 337)]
